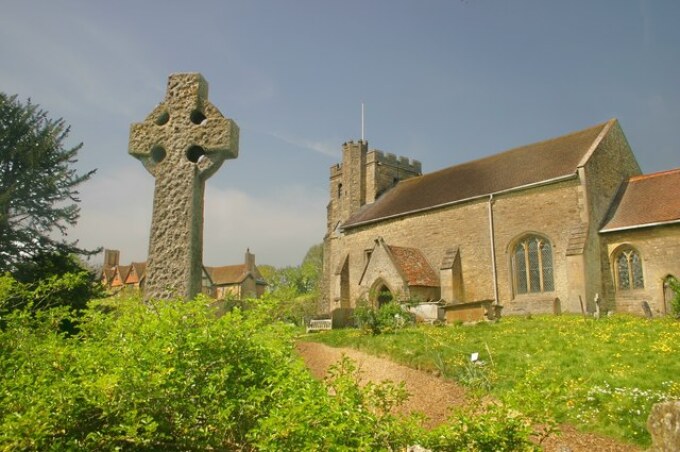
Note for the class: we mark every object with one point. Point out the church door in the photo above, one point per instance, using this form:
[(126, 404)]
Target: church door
[(384, 295), (668, 294), (344, 285)]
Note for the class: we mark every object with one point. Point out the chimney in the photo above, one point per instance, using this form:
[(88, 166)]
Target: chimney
[(250, 261)]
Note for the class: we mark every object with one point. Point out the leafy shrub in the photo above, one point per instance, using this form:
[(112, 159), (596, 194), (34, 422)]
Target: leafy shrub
[(674, 284), (173, 376), (492, 427), (166, 376), (386, 319), (46, 281), (296, 309), (339, 416)]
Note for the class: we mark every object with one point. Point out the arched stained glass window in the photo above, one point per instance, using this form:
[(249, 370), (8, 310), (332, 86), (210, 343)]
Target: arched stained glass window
[(628, 267), (533, 265)]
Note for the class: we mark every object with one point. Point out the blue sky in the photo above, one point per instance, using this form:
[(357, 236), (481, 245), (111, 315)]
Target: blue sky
[(443, 82)]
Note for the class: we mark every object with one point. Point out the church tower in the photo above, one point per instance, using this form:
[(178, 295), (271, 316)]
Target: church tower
[(362, 177)]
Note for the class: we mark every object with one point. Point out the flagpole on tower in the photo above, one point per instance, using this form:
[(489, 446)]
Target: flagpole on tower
[(362, 122)]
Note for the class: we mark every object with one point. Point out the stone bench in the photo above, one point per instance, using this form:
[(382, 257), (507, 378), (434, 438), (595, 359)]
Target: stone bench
[(319, 325)]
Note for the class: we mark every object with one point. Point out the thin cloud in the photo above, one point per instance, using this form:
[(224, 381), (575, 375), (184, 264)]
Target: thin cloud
[(327, 147), (116, 213)]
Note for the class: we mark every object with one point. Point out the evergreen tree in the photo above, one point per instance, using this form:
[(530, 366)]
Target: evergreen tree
[(38, 183)]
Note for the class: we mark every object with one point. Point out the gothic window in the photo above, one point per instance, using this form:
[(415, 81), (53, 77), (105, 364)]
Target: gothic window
[(533, 265), (339, 190), (628, 266)]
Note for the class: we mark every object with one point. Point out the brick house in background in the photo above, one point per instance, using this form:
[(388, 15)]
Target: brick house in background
[(234, 281), (228, 282), (546, 227)]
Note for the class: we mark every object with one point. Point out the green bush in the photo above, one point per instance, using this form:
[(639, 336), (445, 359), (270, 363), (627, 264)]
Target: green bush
[(388, 318), (173, 376), (491, 428), (166, 376), (674, 283), (48, 280)]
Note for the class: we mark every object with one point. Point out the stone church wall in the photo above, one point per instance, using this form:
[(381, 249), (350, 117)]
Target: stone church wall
[(431, 232), (659, 248), (550, 211), (611, 164), (381, 271)]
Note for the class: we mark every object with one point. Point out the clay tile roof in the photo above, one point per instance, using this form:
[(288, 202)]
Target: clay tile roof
[(108, 273), (228, 274), (136, 273), (140, 268), (123, 271), (525, 165), (647, 200), (414, 267)]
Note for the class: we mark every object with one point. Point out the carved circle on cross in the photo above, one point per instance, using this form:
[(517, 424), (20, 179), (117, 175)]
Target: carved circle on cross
[(186, 127)]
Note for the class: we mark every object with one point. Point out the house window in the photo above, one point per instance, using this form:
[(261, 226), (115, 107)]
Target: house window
[(628, 267), (533, 265)]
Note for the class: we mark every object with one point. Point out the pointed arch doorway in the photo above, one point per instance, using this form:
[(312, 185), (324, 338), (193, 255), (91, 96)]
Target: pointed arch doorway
[(668, 294), (382, 294)]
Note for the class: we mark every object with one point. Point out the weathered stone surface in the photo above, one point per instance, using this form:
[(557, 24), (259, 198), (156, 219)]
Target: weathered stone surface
[(664, 427), (182, 142)]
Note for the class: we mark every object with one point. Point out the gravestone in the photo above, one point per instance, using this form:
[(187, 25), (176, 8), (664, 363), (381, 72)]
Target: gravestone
[(182, 142), (646, 309), (664, 427)]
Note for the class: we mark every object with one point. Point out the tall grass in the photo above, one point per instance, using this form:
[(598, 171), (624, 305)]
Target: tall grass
[(601, 375)]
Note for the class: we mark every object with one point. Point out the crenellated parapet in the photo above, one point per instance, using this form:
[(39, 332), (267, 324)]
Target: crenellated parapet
[(399, 162), (362, 176)]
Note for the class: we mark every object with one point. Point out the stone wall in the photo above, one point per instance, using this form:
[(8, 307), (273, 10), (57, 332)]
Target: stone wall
[(609, 166), (659, 248), (383, 171), (550, 211)]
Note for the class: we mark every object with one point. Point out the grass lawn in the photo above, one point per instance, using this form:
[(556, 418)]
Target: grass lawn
[(600, 375)]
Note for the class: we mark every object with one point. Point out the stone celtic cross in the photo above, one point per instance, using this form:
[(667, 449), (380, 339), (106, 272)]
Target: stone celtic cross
[(182, 142)]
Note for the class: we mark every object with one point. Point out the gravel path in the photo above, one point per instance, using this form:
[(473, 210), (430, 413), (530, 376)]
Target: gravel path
[(434, 396)]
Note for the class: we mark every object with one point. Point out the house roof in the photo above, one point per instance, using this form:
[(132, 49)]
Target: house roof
[(413, 266), (108, 273), (122, 271), (136, 273), (232, 274), (519, 167), (647, 200), (140, 268)]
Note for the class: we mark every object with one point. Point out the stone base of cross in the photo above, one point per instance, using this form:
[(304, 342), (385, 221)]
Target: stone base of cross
[(182, 142)]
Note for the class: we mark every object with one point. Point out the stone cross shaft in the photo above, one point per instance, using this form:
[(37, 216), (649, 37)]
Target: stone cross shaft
[(182, 142)]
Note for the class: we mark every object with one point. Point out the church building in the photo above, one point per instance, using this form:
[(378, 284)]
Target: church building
[(568, 224)]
